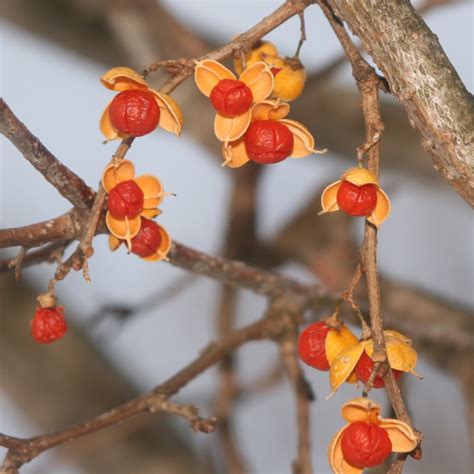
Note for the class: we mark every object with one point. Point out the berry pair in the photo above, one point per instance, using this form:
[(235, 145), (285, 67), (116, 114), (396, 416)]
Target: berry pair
[(326, 346)]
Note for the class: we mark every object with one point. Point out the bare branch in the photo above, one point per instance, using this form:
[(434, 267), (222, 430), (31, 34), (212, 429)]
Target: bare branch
[(69, 185), (303, 395), (65, 227), (21, 450), (423, 80), (368, 83), (240, 242)]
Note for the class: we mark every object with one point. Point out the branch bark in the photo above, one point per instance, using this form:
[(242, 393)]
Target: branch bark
[(303, 397), (424, 81), (21, 450), (369, 83), (69, 185)]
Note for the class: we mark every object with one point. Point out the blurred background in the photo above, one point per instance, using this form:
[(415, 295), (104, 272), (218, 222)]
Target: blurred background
[(126, 336)]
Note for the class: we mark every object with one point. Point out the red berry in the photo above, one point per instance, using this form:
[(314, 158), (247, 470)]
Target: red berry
[(148, 239), (134, 112), (268, 141), (364, 368), (365, 444), (231, 97), (48, 325), (357, 200), (125, 200), (311, 346)]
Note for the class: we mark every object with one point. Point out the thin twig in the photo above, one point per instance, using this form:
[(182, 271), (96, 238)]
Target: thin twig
[(348, 294), (48, 253), (17, 262), (303, 395), (189, 412), (22, 450), (368, 83), (302, 34), (240, 240), (243, 60), (371, 379)]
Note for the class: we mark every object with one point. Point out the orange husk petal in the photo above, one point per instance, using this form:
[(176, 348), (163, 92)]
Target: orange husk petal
[(116, 173), (352, 378), (344, 363), (208, 73), (397, 335), (303, 140), (171, 116), (329, 198), (401, 356), (336, 459), (403, 438), (270, 110), (152, 190), (106, 127), (337, 340), (228, 129), (359, 176), (150, 213), (259, 79), (382, 209), (164, 248), (114, 243), (123, 79), (235, 154), (361, 409), (123, 229)]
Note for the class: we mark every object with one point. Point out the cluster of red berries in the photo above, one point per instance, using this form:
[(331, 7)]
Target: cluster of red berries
[(266, 141), (312, 351), (126, 200)]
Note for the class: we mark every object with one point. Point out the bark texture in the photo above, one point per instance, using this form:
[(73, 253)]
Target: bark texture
[(422, 78)]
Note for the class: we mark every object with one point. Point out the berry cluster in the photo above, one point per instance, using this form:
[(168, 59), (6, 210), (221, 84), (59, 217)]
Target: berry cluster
[(330, 345), (132, 204), (367, 440), (252, 125), (251, 116)]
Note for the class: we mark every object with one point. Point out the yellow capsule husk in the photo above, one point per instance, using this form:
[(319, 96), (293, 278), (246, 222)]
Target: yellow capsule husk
[(256, 54)]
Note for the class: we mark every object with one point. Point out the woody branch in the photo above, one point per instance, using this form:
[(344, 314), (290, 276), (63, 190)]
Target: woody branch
[(423, 80), (369, 83)]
